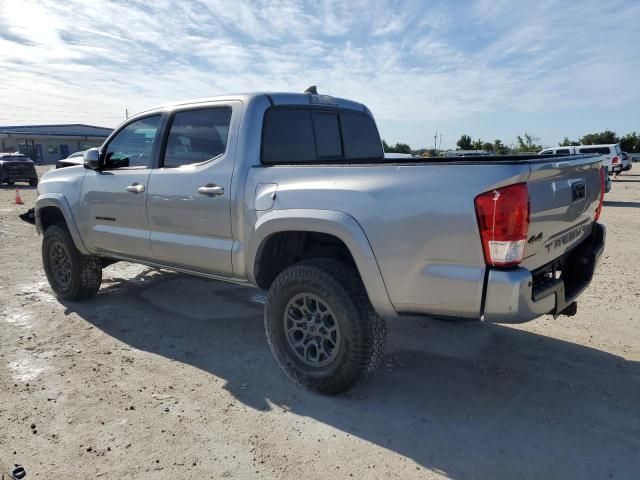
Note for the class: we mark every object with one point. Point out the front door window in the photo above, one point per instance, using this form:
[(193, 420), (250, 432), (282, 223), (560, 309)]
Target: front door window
[(132, 147)]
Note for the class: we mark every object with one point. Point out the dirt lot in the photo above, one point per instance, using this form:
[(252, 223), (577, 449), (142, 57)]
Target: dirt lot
[(165, 376)]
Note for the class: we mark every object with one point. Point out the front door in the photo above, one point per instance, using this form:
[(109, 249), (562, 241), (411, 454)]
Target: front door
[(114, 200), (189, 196)]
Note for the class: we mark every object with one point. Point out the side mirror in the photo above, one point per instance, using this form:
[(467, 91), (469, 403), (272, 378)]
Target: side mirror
[(92, 159)]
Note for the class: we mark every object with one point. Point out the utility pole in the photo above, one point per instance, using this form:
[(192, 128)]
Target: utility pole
[(435, 141), (126, 113), (440, 142)]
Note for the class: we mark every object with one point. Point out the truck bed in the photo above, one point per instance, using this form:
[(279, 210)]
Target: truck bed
[(480, 160), (419, 216)]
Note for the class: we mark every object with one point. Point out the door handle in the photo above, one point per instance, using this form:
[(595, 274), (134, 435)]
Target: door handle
[(211, 190), (135, 188)]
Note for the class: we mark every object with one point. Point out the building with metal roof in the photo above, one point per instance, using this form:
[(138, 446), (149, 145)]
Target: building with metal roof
[(49, 143)]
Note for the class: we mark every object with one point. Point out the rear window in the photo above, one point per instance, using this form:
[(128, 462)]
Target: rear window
[(327, 129), (303, 135), (562, 150)]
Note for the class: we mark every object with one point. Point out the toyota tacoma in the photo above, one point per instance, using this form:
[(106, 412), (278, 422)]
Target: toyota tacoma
[(292, 193)]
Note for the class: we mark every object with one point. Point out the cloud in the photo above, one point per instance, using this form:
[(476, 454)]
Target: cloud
[(417, 61)]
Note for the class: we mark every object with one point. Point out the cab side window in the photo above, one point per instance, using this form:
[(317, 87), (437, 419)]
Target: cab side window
[(132, 147), (196, 136)]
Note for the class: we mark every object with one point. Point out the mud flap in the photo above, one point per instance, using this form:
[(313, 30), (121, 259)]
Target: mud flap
[(29, 216)]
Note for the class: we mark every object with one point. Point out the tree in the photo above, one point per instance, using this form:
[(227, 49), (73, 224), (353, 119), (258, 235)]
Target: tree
[(488, 147), (465, 143), (528, 143), (499, 147), (630, 143), (600, 137), (477, 145), (402, 148), (568, 143), (397, 148)]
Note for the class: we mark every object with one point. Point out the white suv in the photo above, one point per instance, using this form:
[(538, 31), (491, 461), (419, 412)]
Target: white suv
[(612, 154)]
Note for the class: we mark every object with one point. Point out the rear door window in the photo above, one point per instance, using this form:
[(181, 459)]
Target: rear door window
[(196, 136), (562, 151)]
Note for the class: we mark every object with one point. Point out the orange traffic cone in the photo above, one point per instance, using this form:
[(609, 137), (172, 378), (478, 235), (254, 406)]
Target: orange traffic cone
[(18, 200)]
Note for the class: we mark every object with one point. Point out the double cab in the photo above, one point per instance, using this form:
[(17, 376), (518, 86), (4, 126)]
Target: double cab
[(292, 193)]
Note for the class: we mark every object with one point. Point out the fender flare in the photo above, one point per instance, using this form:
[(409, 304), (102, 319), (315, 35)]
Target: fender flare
[(338, 224), (59, 201)]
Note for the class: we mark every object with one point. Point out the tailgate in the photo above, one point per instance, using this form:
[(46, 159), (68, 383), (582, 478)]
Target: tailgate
[(563, 195)]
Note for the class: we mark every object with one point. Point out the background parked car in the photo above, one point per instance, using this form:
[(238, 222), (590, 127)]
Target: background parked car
[(612, 154), (626, 162), (16, 167), (72, 160)]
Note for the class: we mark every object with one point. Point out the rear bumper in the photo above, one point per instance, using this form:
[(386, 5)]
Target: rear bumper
[(18, 175), (517, 296)]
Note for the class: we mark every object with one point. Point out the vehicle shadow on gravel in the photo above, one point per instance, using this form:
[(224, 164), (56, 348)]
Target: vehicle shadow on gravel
[(615, 203), (468, 399)]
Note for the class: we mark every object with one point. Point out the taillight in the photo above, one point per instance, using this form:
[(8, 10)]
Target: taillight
[(614, 161), (503, 219), (603, 186)]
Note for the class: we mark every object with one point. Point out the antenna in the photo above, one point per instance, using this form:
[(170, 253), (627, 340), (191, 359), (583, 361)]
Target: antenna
[(312, 90)]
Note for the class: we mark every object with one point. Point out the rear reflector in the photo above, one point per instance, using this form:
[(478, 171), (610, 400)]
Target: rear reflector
[(614, 161), (603, 185), (503, 219)]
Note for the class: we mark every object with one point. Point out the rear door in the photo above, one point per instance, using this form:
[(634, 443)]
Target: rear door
[(563, 196), (114, 200), (189, 198)]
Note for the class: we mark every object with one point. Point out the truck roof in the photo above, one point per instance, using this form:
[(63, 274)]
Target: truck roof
[(275, 98)]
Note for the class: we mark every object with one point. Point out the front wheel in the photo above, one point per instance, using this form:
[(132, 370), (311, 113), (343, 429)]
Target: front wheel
[(72, 275), (321, 326)]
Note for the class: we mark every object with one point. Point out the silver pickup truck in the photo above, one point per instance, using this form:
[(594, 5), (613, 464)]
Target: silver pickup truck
[(292, 193)]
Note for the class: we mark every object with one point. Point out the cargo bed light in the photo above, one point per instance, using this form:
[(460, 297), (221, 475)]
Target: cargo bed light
[(503, 220)]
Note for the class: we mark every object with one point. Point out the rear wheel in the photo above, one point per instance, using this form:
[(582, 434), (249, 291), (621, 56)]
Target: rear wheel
[(321, 326), (72, 275)]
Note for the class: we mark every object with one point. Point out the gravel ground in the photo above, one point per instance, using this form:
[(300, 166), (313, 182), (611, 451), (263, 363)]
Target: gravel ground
[(166, 376)]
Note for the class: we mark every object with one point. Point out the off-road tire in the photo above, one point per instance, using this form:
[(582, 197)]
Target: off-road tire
[(85, 270), (362, 331)]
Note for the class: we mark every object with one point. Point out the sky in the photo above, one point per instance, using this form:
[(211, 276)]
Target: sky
[(486, 68)]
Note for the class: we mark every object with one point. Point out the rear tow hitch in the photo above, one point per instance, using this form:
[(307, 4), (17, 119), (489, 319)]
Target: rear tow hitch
[(571, 309)]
